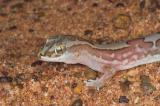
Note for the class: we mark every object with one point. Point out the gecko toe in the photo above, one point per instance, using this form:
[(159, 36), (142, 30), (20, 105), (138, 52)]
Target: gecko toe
[(93, 83)]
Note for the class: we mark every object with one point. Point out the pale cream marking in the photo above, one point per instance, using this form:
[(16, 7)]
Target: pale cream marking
[(77, 54), (119, 57), (111, 46), (126, 54), (116, 62), (125, 61), (138, 49), (135, 57), (146, 60), (112, 55), (152, 39), (55, 51), (99, 59)]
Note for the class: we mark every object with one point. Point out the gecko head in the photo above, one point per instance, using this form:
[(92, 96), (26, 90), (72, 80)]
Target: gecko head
[(55, 48)]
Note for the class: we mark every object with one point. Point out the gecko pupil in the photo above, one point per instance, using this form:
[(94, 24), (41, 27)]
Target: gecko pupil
[(60, 49)]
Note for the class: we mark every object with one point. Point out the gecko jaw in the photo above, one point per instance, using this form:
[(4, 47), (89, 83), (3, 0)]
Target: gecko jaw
[(49, 59)]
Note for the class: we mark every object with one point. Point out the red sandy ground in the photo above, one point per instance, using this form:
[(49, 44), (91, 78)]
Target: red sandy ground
[(24, 28)]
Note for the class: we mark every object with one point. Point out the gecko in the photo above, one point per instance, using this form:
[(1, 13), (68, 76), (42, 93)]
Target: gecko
[(107, 59)]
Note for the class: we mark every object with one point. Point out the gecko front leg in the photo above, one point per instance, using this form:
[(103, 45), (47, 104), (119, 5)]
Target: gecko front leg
[(99, 82)]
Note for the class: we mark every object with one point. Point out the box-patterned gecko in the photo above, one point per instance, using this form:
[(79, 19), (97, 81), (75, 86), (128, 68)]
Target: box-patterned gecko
[(104, 58)]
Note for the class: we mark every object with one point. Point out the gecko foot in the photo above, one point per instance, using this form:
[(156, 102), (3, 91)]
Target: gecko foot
[(99, 82), (94, 83)]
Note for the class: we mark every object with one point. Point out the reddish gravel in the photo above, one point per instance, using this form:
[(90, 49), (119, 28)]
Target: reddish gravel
[(24, 27)]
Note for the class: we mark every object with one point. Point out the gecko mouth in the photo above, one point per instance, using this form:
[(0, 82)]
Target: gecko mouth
[(49, 59), (45, 58)]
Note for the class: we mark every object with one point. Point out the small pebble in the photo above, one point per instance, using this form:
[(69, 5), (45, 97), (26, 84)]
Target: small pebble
[(145, 85), (52, 97), (157, 97), (151, 5), (6, 1), (123, 99), (35, 77), (95, 5), (122, 21), (120, 4), (77, 88), (17, 7), (137, 100), (5, 73), (21, 77), (18, 80), (30, 30), (6, 79), (28, 0), (3, 13), (44, 89), (21, 86), (105, 40), (11, 65), (142, 4), (38, 62), (90, 74), (13, 27), (124, 84), (77, 102), (158, 3), (77, 74), (74, 85), (92, 92), (88, 32)]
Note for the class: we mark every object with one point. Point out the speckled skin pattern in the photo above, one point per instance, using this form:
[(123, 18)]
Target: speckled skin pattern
[(105, 58)]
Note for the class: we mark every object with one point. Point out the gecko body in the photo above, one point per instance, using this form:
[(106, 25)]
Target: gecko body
[(104, 58)]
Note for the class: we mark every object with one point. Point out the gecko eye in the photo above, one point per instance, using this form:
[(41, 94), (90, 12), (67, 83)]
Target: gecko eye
[(59, 50)]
